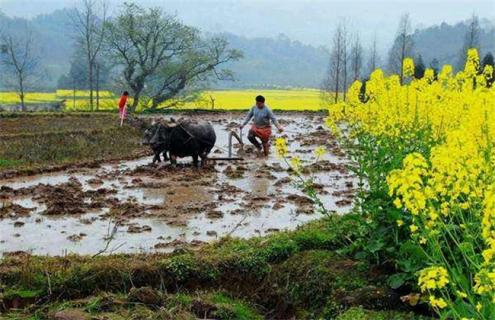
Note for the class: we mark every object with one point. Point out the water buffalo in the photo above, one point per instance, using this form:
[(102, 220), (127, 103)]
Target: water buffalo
[(157, 148), (186, 139)]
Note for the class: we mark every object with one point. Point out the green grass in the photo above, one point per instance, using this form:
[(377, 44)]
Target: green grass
[(35, 142), (358, 313), (9, 163), (259, 271), (285, 275), (40, 123)]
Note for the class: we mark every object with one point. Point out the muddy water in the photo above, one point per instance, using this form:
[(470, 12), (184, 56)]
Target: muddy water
[(133, 206)]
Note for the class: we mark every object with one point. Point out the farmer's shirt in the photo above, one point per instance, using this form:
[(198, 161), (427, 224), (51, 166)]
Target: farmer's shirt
[(261, 116)]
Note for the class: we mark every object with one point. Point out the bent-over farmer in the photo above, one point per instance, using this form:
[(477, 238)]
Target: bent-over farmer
[(261, 127)]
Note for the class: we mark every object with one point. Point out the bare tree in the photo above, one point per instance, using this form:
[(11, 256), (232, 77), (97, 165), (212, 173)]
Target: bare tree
[(471, 40), (334, 81), (89, 22), (402, 48), (161, 58), (345, 65), (356, 58), (19, 62), (373, 58)]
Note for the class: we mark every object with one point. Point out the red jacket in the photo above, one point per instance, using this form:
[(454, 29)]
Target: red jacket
[(123, 101)]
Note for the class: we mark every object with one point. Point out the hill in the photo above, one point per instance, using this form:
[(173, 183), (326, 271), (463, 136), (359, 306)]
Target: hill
[(444, 41), (268, 62), (276, 62)]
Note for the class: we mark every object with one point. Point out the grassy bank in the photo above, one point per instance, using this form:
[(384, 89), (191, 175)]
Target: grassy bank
[(289, 274), (37, 142)]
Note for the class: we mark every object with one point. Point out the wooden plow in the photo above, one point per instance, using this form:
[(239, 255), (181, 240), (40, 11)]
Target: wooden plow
[(238, 137)]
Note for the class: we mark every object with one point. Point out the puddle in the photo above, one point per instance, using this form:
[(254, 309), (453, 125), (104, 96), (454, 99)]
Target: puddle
[(156, 208)]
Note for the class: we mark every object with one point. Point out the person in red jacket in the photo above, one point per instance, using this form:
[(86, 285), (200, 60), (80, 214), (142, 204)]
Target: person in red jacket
[(123, 107)]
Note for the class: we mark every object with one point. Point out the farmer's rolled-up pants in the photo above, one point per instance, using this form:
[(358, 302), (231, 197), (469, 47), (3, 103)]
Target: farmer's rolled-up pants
[(262, 133)]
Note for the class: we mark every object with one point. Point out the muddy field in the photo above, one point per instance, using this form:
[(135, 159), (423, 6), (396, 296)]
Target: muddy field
[(134, 206)]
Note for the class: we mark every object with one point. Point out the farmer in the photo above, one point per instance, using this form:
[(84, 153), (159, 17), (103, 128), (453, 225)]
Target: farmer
[(261, 127), (123, 107)]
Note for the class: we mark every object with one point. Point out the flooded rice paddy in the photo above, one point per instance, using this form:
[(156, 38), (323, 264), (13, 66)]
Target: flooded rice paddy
[(134, 206)]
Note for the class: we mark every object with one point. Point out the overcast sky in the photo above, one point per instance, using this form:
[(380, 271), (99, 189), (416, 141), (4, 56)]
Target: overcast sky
[(310, 21)]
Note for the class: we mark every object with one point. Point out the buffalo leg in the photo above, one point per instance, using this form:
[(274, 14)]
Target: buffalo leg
[(173, 159), (195, 160), (165, 157), (203, 159), (156, 158)]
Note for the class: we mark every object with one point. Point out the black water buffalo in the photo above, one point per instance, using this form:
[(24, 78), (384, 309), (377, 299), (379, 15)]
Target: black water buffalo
[(158, 149), (185, 139)]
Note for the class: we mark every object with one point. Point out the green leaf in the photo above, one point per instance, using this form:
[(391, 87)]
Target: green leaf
[(375, 246), (397, 280)]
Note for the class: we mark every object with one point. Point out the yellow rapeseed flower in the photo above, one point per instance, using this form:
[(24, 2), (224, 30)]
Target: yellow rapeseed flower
[(408, 67), (437, 302), (472, 63), (433, 278), (281, 147), (320, 151), (295, 164), (479, 306)]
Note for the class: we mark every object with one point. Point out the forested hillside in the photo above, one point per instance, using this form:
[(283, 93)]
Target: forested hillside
[(267, 62), (444, 42), (277, 62), (53, 39)]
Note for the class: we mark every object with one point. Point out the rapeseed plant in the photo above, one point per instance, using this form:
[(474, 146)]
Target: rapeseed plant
[(437, 136)]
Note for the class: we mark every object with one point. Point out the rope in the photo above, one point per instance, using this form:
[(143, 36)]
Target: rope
[(188, 133)]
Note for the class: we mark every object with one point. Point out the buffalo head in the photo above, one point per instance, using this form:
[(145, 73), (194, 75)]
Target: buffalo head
[(149, 133), (161, 134)]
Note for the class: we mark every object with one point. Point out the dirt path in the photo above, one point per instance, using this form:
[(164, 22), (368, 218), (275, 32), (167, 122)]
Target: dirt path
[(145, 207)]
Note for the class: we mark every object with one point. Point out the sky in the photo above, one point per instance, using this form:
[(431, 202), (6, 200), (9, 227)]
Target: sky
[(309, 21)]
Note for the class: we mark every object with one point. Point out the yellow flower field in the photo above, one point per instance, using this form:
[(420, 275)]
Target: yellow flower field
[(297, 99), (436, 140), (300, 99)]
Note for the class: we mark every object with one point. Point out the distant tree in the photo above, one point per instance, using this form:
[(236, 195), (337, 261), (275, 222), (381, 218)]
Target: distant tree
[(435, 66), (78, 76), (337, 73), (346, 64), (363, 97), (160, 57), (356, 58), (19, 62), (471, 40), (373, 58), (489, 60), (419, 68), (88, 21), (402, 47)]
